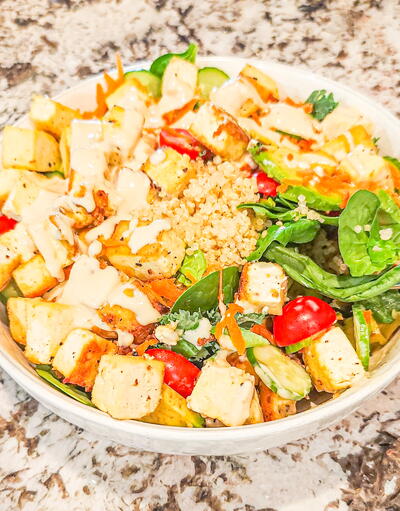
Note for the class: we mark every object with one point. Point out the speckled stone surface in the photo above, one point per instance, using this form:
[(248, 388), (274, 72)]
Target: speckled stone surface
[(45, 463)]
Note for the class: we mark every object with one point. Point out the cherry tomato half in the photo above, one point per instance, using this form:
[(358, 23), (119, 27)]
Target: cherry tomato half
[(182, 141), (6, 224), (266, 185), (301, 318), (180, 374)]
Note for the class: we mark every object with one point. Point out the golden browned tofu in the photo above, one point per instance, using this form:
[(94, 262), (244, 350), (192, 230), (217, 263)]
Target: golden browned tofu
[(256, 413), (78, 357), (9, 260), (273, 406), (17, 310), (264, 84), (219, 132), (172, 173), (30, 149), (48, 324), (128, 387), (262, 288), (50, 116), (8, 179), (33, 277), (332, 362)]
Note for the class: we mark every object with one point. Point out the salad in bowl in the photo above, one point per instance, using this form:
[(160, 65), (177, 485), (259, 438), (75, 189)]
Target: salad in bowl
[(199, 250)]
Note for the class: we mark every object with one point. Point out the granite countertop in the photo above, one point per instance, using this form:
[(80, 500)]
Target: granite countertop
[(45, 462)]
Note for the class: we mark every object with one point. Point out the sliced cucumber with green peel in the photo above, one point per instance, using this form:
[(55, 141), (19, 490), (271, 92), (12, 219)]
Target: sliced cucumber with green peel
[(253, 340), (10, 291), (293, 348), (280, 373), (54, 173), (148, 79), (362, 335), (210, 78)]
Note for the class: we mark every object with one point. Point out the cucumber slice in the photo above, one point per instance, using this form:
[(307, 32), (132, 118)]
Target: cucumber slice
[(362, 335), (279, 373), (148, 79), (54, 173), (299, 345), (10, 291), (253, 340), (209, 78)]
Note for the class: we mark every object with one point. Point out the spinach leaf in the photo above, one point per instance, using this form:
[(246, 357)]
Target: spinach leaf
[(159, 65), (382, 306), (353, 239), (346, 288), (45, 372), (323, 103), (185, 348), (203, 296), (193, 268), (301, 231), (185, 319), (207, 351)]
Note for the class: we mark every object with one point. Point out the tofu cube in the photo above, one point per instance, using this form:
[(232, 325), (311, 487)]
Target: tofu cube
[(50, 116), (179, 75), (122, 130), (262, 288), (273, 406), (128, 95), (8, 179), (9, 261), (224, 393), (264, 84), (48, 324), (332, 362), (219, 132), (128, 387), (79, 356), (24, 192), (17, 310), (173, 173), (33, 278), (256, 414), (30, 149)]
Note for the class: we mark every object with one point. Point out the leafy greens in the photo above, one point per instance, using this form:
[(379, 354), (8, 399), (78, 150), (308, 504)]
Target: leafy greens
[(323, 103)]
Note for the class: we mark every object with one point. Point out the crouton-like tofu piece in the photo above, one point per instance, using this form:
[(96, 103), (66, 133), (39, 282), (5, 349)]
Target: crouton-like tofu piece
[(273, 406), (180, 75), (9, 260), (48, 324), (19, 241), (33, 277), (128, 387), (219, 132), (78, 357), (223, 393), (256, 413), (332, 362), (128, 95), (118, 317), (173, 173), (264, 84), (122, 130), (24, 192), (30, 149), (50, 116), (262, 288), (341, 119), (362, 164), (17, 311), (8, 179), (342, 145), (65, 145), (161, 259)]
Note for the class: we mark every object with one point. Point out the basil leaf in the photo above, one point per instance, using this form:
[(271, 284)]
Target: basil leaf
[(323, 103), (193, 268), (203, 296), (73, 391), (384, 305), (159, 65)]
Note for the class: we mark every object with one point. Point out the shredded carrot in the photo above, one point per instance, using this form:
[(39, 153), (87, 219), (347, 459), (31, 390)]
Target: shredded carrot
[(141, 348), (368, 316), (264, 332), (174, 115), (229, 322), (167, 289), (111, 85)]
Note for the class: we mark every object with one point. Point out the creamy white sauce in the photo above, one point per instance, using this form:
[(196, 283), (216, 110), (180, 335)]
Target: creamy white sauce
[(233, 94), (290, 120), (157, 157), (95, 248), (125, 339), (133, 188), (146, 234), (131, 298), (144, 148)]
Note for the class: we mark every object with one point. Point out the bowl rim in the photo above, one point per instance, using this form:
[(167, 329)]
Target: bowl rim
[(56, 400)]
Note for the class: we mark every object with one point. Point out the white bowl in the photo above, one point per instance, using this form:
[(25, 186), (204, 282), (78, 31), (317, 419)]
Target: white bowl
[(219, 441)]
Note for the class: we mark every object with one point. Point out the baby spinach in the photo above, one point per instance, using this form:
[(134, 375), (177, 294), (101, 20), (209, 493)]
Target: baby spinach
[(384, 305), (323, 103), (301, 231), (193, 268), (159, 65), (203, 295), (346, 288), (45, 372)]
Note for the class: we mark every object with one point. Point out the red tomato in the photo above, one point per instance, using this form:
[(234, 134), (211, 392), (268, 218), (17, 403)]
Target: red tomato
[(266, 185), (182, 141), (301, 318), (180, 374), (6, 224)]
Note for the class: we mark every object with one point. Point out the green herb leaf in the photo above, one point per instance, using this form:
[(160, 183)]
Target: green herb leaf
[(44, 371), (159, 65), (384, 305), (185, 320), (323, 104), (291, 135), (193, 268), (207, 351), (250, 319)]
